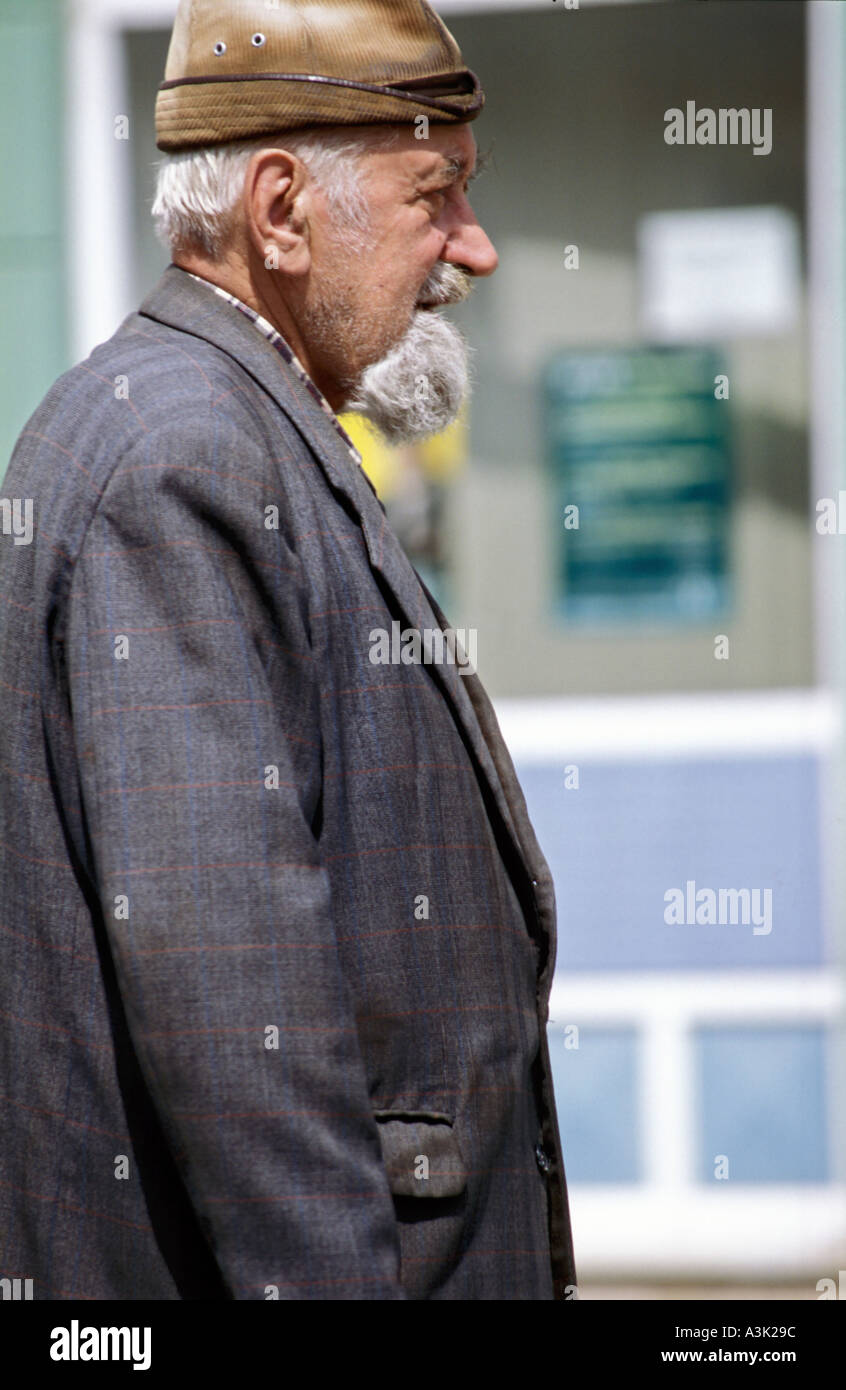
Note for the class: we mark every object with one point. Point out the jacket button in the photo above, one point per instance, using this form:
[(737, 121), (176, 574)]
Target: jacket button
[(541, 1159)]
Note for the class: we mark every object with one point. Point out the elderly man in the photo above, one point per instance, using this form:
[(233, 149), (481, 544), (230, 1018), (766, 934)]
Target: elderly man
[(277, 935)]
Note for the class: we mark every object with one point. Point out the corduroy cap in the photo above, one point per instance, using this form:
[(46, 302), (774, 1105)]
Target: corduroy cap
[(238, 69)]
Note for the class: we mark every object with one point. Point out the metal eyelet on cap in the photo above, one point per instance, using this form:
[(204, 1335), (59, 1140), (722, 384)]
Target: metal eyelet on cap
[(219, 49), (259, 40)]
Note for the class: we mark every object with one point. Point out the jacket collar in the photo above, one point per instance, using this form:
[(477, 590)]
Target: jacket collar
[(183, 303)]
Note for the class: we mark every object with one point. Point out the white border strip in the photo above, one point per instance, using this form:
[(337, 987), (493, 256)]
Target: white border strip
[(98, 179), (826, 223), (674, 726), (689, 998), (159, 14), (730, 1230)]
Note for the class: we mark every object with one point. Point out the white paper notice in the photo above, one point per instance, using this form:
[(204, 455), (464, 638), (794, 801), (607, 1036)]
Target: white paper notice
[(720, 273)]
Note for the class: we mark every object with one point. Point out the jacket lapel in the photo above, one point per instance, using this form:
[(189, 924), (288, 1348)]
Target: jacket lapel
[(182, 303), (390, 561)]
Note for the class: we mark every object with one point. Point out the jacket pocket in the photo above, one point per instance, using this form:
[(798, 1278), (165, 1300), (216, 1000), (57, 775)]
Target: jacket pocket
[(421, 1153)]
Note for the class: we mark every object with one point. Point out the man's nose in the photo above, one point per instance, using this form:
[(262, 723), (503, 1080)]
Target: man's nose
[(470, 248)]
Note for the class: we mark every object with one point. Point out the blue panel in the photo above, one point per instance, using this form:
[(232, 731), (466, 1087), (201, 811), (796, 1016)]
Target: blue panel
[(761, 1094), (596, 1097), (633, 831)]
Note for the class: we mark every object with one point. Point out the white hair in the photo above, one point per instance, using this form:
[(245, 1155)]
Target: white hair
[(198, 191)]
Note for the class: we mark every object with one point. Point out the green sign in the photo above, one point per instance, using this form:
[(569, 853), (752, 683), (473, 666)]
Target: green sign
[(638, 450)]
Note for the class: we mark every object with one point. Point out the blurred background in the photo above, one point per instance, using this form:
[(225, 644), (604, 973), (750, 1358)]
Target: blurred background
[(640, 514)]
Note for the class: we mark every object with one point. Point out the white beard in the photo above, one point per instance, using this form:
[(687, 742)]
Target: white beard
[(418, 388)]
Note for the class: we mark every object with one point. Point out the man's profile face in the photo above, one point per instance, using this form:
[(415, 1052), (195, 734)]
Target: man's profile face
[(362, 299)]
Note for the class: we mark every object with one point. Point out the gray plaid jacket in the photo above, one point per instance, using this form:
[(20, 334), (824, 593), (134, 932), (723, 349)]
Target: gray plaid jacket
[(276, 936)]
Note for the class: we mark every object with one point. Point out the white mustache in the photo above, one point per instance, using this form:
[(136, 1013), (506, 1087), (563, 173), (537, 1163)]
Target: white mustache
[(445, 284)]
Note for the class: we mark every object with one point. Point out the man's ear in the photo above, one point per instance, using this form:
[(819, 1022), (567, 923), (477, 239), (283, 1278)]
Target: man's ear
[(276, 211)]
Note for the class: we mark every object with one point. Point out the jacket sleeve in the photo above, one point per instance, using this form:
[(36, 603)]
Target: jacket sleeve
[(196, 714)]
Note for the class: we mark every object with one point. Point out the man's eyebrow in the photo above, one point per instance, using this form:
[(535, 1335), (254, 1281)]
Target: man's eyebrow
[(455, 167)]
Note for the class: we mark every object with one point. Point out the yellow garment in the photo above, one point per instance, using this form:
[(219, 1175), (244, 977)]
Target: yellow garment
[(439, 458)]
